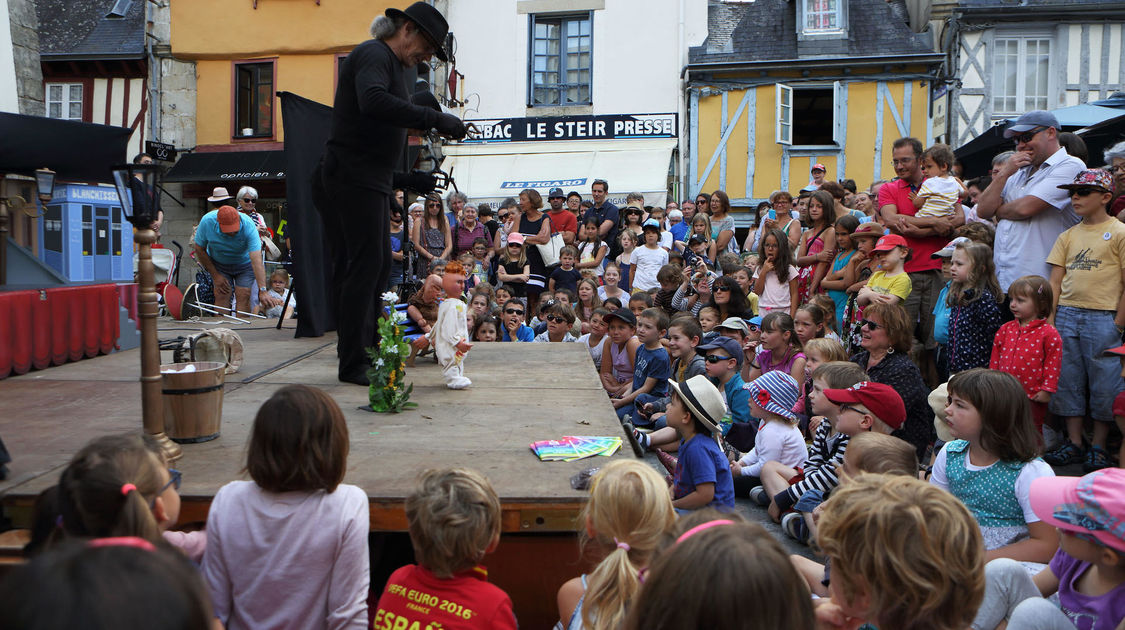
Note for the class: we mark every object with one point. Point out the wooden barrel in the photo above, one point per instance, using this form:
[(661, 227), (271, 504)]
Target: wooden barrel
[(193, 401)]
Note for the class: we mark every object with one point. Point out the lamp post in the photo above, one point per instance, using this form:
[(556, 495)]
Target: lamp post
[(137, 189), (44, 184)]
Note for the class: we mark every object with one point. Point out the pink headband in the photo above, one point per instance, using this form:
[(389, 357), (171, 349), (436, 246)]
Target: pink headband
[(122, 541), (698, 528)]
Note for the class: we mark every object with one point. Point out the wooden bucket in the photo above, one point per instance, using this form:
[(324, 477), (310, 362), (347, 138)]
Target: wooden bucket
[(193, 401)]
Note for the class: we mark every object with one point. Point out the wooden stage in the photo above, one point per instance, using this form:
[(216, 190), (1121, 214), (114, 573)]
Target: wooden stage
[(521, 393)]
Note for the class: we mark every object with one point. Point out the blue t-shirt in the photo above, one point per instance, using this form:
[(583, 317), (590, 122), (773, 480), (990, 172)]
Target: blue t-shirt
[(941, 316), (738, 399), (566, 278), (652, 364), (227, 249), (524, 333), (702, 461), (679, 231)]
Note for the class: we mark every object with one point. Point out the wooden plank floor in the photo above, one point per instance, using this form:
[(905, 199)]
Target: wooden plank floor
[(521, 393)]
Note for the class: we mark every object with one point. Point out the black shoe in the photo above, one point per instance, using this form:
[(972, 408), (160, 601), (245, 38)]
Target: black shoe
[(353, 377), (1064, 454), (1096, 459)]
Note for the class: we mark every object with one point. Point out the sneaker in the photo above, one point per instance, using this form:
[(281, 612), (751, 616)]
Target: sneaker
[(1096, 459), (1064, 455), (634, 438), (794, 524), (758, 495)]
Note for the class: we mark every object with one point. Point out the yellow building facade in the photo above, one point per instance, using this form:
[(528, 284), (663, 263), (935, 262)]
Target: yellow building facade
[(738, 127), (300, 41)]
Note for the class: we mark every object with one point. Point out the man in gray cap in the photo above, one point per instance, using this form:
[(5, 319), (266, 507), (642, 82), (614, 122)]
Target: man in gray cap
[(1025, 197)]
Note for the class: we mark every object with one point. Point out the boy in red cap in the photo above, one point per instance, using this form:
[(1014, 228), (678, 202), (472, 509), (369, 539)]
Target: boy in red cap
[(890, 284), (1088, 570), (867, 406)]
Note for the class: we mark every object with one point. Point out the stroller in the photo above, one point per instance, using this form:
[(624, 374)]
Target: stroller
[(167, 276)]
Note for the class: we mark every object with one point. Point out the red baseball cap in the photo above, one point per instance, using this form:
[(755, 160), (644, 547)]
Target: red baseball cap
[(882, 400), (888, 242), (818, 167), (229, 221)]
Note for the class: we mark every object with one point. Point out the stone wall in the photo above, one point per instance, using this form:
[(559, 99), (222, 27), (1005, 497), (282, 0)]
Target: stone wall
[(25, 50)]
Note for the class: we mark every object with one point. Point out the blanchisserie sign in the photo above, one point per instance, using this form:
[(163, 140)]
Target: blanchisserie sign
[(550, 128)]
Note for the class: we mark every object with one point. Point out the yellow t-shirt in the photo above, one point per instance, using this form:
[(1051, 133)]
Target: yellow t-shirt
[(1092, 256), (899, 285)]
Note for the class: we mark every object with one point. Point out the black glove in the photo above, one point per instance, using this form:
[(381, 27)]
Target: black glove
[(417, 181), (450, 125)]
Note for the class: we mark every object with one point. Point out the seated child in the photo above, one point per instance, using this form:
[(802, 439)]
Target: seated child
[(595, 339), (651, 365), (904, 555), (772, 398), (279, 284), (669, 277), (869, 452), (730, 563), (627, 518), (558, 318), (721, 357), (683, 338), (454, 521), (702, 475), (638, 302), (617, 373), (487, 329), (708, 320), (511, 321), (1088, 570)]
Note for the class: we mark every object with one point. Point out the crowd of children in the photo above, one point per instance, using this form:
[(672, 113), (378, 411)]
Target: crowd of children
[(780, 376)]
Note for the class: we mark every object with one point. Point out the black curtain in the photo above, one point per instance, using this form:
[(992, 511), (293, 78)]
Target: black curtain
[(307, 127)]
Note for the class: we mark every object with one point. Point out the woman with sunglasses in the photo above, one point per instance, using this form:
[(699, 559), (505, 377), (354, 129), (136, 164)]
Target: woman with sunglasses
[(727, 297), (887, 333), (432, 236)]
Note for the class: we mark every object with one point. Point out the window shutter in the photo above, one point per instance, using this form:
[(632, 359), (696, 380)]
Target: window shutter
[(784, 123)]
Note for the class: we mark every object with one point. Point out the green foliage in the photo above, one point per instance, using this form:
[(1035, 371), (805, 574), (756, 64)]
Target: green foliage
[(388, 391)]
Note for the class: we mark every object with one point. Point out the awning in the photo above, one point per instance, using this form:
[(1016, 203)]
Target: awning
[(76, 151), (490, 172), (228, 165)]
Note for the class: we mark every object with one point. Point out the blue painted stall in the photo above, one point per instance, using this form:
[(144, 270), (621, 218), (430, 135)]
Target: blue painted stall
[(85, 236)]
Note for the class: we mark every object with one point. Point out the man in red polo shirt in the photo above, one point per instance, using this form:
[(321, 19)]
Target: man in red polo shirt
[(923, 236), (562, 219)]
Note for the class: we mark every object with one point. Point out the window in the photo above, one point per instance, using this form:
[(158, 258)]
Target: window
[(253, 100), (64, 101), (806, 116), (560, 60), (1020, 67), (822, 17)]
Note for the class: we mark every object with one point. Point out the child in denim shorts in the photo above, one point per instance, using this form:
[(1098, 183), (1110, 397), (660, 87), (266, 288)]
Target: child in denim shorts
[(1087, 268)]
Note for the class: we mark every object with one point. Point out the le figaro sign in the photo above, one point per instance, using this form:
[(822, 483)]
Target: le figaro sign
[(604, 127)]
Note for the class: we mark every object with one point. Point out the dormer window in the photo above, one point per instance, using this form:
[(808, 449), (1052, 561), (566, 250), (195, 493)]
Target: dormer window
[(826, 19)]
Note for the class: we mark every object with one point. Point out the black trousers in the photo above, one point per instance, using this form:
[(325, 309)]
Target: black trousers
[(357, 227)]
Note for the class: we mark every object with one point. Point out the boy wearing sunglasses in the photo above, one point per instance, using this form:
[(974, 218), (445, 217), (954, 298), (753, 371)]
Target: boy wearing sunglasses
[(512, 319), (1088, 281)]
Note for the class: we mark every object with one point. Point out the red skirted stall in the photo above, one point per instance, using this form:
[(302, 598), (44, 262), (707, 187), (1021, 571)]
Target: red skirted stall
[(40, 328)]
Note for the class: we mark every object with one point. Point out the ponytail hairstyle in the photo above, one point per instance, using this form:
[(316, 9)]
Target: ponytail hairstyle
[(107, 488), (982, 276), (782, 322), (630, 513), (819, 318), (828, 306)]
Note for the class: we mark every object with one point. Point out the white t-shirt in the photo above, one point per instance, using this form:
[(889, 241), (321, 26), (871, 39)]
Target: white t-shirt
[(1022, 246), (775, 294), (646, 263), (776, 441), (941, 194), (291, 560)]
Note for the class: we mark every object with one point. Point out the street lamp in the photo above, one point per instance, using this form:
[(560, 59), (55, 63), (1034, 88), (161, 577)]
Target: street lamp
[(137, 188)]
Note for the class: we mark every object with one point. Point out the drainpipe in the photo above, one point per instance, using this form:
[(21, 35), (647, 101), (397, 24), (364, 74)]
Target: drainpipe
[(681, 109), (153, 74)]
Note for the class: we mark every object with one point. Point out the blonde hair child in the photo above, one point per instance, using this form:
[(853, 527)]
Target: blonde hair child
[(628, 515), (454, 521), (904, 555)]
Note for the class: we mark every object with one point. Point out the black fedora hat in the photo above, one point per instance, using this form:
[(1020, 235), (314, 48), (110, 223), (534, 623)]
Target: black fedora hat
[(430, 20)]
